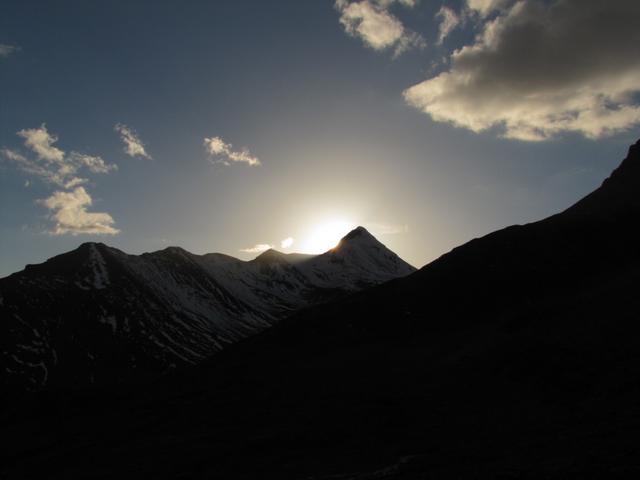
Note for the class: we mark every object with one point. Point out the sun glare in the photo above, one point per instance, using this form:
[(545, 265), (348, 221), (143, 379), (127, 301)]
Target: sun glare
[(326, 235)]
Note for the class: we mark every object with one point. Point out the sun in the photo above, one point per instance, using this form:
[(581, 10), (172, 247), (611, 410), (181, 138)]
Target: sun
[(326, 235)]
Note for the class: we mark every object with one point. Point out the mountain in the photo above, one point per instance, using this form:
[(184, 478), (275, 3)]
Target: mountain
[(98, 315), (514, 356)]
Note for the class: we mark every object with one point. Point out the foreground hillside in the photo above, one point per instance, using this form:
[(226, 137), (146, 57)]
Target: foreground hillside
[(513, 356)]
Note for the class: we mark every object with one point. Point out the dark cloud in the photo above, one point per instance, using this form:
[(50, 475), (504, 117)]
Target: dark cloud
[(540, 68)]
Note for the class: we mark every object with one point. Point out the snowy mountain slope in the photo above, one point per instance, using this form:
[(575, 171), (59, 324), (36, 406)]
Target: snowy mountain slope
[(98, 315)]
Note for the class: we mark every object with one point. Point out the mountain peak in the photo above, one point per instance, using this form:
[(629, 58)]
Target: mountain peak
[(358, 232), (358, 237), (270, 255), (91, 245)]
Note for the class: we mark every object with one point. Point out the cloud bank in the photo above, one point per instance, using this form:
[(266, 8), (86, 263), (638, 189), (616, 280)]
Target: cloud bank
[(538, 69), (133, 146), (376, 26), (223, 152)]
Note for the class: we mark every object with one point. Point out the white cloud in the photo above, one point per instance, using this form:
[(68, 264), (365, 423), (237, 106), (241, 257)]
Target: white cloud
[(449, 20), (6, 50), (52, 164), (258, 248), (379, 29), (75, 181), (539, 69), (287, 242), (41, 142), (69, 212), (486, 7), (133, 146), (388, 3), (224, 153)]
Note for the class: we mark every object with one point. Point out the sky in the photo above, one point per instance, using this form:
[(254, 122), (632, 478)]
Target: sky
[(236, 126)]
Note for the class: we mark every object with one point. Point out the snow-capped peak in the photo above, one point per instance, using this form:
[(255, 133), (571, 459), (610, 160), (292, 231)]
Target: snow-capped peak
[(359, 237)]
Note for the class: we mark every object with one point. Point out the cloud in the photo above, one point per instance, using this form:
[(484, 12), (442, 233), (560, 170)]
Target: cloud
[(75, 181), (539, 69), (50, 173), (52, 164), (287, 242), (93, 164), (449, 20), (32, 167), (6, 50), (371, 21), (486, 7), (133, 146), (258, 248), (41, 142), (224, 153), (69, 212)]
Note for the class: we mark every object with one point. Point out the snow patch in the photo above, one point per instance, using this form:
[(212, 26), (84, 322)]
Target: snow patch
[(99, 268)]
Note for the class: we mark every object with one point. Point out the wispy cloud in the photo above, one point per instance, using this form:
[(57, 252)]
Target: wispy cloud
[(449, 20), (6, 50), (70, 215), (223, 152), (588, 85), (51, 164), (287, 242), (486, 7), (93, 163), (133, 146), (376, 26), (257, 248)]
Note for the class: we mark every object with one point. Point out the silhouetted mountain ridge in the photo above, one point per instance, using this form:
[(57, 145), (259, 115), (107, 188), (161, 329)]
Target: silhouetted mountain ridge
[(97, 315)]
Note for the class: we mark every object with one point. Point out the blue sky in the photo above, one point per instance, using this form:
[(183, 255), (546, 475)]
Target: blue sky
[(253, 122)]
